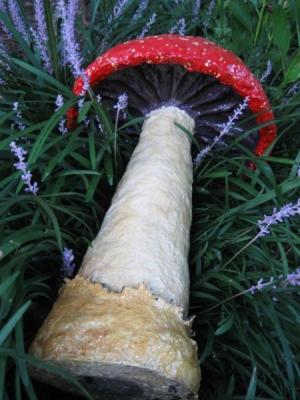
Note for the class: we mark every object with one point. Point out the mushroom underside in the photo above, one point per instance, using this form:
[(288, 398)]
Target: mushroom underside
[(209, 102)]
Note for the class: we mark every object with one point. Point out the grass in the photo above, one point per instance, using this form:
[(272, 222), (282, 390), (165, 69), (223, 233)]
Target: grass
[(248, 344)]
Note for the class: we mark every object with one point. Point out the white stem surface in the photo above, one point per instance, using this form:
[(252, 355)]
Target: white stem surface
[(144, 237)]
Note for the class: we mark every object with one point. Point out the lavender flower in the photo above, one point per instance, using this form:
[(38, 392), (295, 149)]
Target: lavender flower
[(86, 82), (21, 165), (179, 27), (73, 9), (122, 102), (17, 18), (117, 10), (282, 281), (293, 278), (226, 128), (293, 90), (40, 35), (141, 8), (99, 125), (287, 211), (211, 7), (68, 266), (3, 8), (70, 46), (267, 72), (68, 13), (19, 124), (80, 103), (59, 102), (298, 171), (196, 10), (148, 26), (260, 285), (5, 57)]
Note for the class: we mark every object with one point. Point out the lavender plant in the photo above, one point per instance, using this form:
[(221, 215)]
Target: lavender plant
[(68, 265), (282, 281), (292, 91), (17, 18), (118, 9), (179, 27), (3, 8), (143, 4), (148, 26), (4, 57), (267, 72), (121, 105), (210, 10), (196, 10), (40, 34), (71, 49), (286, 211), (278, 216), (19, 116), (59, 102), (22, 166), (226, 128)]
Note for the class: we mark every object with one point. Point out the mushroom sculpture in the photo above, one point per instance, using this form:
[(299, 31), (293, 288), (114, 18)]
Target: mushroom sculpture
[(121, 324)]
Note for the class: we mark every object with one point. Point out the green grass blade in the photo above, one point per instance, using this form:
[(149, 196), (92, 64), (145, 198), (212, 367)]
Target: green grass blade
[(9, 326), (43, 76)]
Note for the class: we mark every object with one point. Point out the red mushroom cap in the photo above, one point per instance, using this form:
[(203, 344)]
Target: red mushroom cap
[(196, 54)]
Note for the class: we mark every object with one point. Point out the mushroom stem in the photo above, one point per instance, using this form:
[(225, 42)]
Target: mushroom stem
[(124, 332), (144, 237)]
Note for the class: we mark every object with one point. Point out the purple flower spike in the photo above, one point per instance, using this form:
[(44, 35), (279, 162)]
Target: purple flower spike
[(121, 105), (267, 72), (293, 278), (21, 165), (18, 113), (71, 49), (148, 26), (293, 90), (143, 4), (3, 8), (211, 7), (287, 211), (179, 27), (68, 266), (59, 102), (41, 34), (281, 281), (117, 10), (226, 128), (4, 55), (122, 102), (196, 9), (17, 18)]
